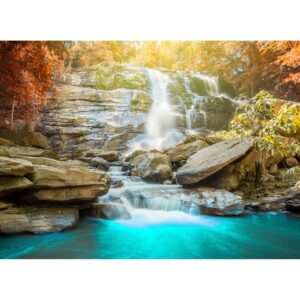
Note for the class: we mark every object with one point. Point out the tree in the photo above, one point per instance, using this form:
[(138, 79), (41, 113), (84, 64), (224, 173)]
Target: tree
[(27, 71)]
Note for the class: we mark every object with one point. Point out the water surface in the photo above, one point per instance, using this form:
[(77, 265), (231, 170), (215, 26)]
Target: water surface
[(159, 234)]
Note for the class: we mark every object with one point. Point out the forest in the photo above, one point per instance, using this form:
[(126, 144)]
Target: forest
[(29, 69)]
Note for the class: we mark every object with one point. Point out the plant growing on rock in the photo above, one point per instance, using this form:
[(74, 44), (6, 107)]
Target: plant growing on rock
[(275, 123)]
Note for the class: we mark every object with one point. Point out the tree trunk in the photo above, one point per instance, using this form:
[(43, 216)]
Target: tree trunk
[(12, 115)]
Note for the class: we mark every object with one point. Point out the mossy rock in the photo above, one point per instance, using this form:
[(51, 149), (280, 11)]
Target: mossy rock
[(120, 76), (141, 102)]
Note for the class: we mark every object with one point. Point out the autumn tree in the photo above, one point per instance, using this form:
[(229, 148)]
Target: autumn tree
[(27, 71)]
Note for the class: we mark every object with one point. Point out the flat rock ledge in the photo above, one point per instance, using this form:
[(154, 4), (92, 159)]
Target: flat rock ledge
[(29, 219)]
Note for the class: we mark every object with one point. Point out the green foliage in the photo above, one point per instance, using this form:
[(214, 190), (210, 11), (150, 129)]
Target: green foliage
[(274, 122)]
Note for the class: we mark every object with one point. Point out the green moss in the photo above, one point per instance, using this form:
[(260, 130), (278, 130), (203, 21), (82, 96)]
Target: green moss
[(120, 76), (142, 102)]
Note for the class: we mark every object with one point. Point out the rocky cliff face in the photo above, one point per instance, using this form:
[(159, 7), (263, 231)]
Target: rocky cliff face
[(107, 106)]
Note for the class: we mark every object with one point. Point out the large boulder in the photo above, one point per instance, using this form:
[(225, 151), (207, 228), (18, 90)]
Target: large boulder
[(211, 159), (14, 166), (31, 219), (152, 166), (182, 152)]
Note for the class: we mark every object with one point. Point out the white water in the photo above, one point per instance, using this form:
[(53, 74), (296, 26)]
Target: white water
[(161, 129), (211, 88), (154, 204)]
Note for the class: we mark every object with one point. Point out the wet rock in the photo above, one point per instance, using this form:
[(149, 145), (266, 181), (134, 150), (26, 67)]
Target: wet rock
[(116, 183), (211, 159), (182, 152), (220, 202), (293, 199), (119, 141), (14, 166), (291, 162), (109, 210), (109, 156), (269, 203), (99, 163), (167, 182), (135, 154), (152, 166), (30, 219)]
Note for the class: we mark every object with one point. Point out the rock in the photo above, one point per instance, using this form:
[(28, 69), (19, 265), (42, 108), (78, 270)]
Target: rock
[(167, 182), (99, 163), (211, 159), (220, 202), (227, 179), (152, 166), (291, 162), (116, 183), (35, 139), (25, 138), (109, 156), (26, 151), (71, 194), (119, 141), (135, 154), (5, 204), (293, 205), (183, 151), (14, 183), (5, 142), (47, 176), (30, 219), (109, 210), (14, 166), (141, 102), (271, 203)]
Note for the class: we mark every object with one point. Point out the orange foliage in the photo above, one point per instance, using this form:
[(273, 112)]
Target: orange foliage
[(27, 72)]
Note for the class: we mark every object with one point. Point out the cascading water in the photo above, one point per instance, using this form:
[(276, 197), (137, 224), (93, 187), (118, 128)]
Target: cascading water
[(161, 129), (211, 89)]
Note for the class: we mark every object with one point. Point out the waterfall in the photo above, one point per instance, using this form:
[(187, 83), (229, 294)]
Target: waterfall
[(211, 89), (160, 126)]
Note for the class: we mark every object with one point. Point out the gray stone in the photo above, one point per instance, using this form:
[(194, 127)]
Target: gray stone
[(211, 159), (152, 166)]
